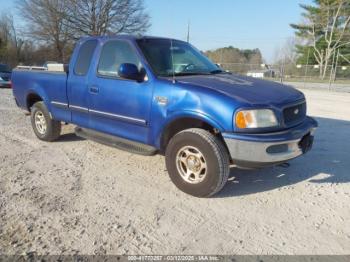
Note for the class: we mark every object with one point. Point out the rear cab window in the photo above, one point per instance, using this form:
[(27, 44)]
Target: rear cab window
[(84, 58)]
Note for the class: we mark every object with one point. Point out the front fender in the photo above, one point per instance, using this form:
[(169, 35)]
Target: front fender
[(174, 116), (186, 101)]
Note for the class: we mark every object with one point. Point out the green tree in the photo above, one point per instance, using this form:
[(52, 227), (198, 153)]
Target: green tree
[(325, 31)]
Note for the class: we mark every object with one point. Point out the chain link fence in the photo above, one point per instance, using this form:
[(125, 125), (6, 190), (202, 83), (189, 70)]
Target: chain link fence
[(331, 76)]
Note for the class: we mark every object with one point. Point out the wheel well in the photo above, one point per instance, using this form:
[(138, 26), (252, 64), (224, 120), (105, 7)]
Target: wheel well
[(182, 124), (32, 99)]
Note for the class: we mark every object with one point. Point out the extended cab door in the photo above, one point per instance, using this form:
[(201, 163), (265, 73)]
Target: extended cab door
[(118, 106), (78, 82)]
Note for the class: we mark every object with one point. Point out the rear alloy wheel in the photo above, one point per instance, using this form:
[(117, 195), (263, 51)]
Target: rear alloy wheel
[(40, 122), (44, 127), (197, 162)]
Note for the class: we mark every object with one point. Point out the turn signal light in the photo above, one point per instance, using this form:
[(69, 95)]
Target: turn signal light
[(240, 120)]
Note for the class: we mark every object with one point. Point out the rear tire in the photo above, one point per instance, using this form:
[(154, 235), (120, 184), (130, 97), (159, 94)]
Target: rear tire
[(45, 128), (197, 162)]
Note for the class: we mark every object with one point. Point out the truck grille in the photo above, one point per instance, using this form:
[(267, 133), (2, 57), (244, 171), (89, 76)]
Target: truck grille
[(294, 114)]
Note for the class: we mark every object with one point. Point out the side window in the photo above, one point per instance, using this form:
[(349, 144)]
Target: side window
[(84, 57), (115, 53)]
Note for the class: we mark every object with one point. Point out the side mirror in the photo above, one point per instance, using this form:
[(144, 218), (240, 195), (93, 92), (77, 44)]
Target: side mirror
[(130, 71)]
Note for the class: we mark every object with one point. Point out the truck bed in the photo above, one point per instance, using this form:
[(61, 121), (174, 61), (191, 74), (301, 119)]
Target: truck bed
[(50, 86)]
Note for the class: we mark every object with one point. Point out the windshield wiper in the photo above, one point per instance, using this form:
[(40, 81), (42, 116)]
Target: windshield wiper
[(186, 74), (191, 73)]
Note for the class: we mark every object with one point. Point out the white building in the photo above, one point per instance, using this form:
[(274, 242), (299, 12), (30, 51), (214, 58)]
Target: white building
[(261, 73)]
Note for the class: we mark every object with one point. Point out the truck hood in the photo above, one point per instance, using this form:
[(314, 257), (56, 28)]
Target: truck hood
[(246, 89)]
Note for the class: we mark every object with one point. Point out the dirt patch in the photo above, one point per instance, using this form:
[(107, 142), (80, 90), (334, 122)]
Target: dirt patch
[(76, 196)]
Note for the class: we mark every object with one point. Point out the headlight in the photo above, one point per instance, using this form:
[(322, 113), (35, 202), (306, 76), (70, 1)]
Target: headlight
[(0, 78), (258, 118)]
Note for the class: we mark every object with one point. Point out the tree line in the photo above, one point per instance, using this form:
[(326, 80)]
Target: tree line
[(236, 60), (53, 26), (234, 55)]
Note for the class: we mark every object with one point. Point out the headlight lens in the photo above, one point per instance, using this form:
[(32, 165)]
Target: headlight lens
[(258, 118)]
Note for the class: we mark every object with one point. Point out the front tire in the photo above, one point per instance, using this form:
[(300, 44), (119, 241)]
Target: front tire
[(197, 162), (44, 127)]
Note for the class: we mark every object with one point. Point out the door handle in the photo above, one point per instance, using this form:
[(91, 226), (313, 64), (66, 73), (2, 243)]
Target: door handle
[(94, 89)]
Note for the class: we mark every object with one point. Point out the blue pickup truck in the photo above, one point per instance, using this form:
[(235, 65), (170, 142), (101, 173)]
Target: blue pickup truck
[(151, 95)]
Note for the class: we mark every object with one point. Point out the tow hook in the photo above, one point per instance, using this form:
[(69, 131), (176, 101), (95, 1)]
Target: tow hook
[(284, 165)]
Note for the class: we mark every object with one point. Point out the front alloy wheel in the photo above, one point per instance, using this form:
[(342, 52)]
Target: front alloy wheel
[(191, 164), (197, 162)]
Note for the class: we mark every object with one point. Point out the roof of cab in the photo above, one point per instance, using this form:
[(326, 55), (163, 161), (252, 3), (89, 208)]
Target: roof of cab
[(123, 36)]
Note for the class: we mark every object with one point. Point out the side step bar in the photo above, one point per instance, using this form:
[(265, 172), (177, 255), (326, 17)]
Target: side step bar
[(117, 142)]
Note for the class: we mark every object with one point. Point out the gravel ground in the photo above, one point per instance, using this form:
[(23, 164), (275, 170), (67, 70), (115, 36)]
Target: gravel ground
[(76, 196)]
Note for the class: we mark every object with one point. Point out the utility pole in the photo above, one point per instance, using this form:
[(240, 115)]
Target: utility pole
[(188, 32), (221, 56)]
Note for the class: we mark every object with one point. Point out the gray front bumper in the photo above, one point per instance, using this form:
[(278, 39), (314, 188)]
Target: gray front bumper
[(260, 150), (255, 154)]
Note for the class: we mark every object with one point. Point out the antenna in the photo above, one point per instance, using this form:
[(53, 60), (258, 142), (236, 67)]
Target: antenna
[(172, 60), (188, 31)]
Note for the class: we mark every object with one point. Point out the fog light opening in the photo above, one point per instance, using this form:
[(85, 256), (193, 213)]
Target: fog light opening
[(276, 149)]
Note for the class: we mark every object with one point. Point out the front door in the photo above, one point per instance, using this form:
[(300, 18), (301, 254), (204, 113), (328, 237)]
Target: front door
[(118, 106)]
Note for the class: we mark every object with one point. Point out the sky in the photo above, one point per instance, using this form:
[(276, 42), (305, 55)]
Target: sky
[(244, 24)]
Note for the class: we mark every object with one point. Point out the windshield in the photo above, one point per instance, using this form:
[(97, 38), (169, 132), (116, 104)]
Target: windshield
[(166, 56)]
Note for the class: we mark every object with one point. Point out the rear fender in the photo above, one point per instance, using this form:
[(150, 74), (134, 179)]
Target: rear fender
[(39, 91)]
